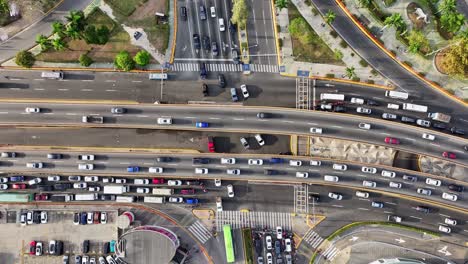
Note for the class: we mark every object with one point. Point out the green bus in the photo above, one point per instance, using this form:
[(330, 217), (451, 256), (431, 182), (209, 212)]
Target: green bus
[(16, 197), (228, 243)]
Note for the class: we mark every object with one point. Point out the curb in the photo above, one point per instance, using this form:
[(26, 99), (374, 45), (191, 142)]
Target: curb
[(79, 69), (174, 39), (108, 149), (273, 14)]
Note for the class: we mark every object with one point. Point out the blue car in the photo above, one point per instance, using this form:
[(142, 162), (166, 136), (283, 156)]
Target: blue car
[(17, 178), (201, 124), (133, 169), (191, 200), (276, 160)]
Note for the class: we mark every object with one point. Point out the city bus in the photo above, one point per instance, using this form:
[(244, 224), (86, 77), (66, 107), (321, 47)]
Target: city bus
[(332, 97), (396, 95), (228, 244), (415, 108)]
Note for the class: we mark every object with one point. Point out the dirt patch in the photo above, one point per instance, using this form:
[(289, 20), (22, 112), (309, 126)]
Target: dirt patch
[(410, 11), (438, 59), (149, 9)]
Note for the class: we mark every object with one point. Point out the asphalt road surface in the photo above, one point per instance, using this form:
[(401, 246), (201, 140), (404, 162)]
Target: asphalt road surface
[(260, 33), (238, 119)]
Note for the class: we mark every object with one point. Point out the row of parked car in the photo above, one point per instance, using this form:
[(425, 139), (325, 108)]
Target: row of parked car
[(89, 218), (91, 260), (282, 244), (33, 217), (37, 248)]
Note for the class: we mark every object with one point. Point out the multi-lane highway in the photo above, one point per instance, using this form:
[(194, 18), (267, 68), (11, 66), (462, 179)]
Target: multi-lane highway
[(279, 171), (239, 119)]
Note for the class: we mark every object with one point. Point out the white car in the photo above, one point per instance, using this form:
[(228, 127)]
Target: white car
[(217, 182), (80, 185), (364, 126), (233, 171), (269, 257), (228, 161), (269, 243), (39, 248), (94, 189), (450, 221), (279, 232), (363, 110), (103, 218), (335, 196), (174, 182), (29, 218), (141, 181), (296, 163), (91, 179), (155, 170), (34, 181), (85, 166), (201, 171), (315, 163), (44, 217), (369, 184), (120, 180), (445, 229), (342, 167), (255, 162), (108, 180), (35, 165), (369, 170), (142, 190), (428, 136), (300, 174), (424, 191), (23, 219), (4, 180), (362, 194), (287, 245), (316, 130), (53, 178), (390, 174), (219, 204), (3, 186), (355, 100), (430, 181), (213, 11), (33, 110), (394, 185), (259, 139), (165, 121), (244, 91), (86, 157), (230, 190), (449, 196), (89, 218), (222, 27), (176, 199)]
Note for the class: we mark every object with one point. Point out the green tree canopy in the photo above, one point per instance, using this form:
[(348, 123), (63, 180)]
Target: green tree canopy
[(59, 44), (365, 3), (330, 16), (4, 7), (25, 59), (396, 21), (85, 60), (239, 13), (455, 61), (123, 61), (58, 28), (350, 72), (418, 42), (77, 20), (44, 42), (142, 58), (300, 30), (452, 22), (447, 6), (280, 4)]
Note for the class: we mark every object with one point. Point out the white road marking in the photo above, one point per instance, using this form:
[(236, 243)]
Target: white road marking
[(415, 217), (14, 88), (87, 80), (410, 139), (314, 124), (62, 80), (465, 230), (39, 89), (288, 121), (63, 89), (448, 216), (437, 145), (238, 119), (48, 113), (70, 114), (363, 199), (383, 133), (142, 116), (147, 163), (215, 118), (110, 80), (189, 117), (365, 209), (220, 166), (39, 79), (3, 112), (387, 212), (338, 126), (124, 163), (391, 203), (136, 81), (14, 79), (111, 90), (86, 90), (335, 205)]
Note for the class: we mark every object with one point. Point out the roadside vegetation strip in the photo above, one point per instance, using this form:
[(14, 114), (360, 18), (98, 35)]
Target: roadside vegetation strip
[(355, 224), (312, 259), (248, 246), (377, 42), (275, 29), (174, 33)]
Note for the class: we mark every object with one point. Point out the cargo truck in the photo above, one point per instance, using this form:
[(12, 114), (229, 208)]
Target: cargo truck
[(439, 117), (153, 199), (415, 108), (86, 196), (115, 189), (125, 199), (61, 197), (163, 191), (92, 119)]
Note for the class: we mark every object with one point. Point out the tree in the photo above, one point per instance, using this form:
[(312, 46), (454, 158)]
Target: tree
[(330, 16), (447, 7), (103, 35), (90, 35), (58, 28), (418, 42), (280, 4), (25, 59), (59, 44), (350, 72), (85, 60), (77, 19), (365, 3), (396, 21), (44, 42), (72, 32), (338, 54), (142, 58), (239, 13), (4, 7), (300, 30), (124, 61), (452, 22), (455, 61)]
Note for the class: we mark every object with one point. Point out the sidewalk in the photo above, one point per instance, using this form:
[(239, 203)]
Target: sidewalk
[(323, 30), (419, 63)]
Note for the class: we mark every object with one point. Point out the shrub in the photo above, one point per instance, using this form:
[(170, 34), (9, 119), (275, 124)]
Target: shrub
[(374, 72), (370, 81), (330, 75), (333, 33), (356, 79), (280, 42), (124, 61), (363, 63), (352, 54), (408, 63), (278, 28), (343, 44), (315, 11), (142, 58), (422, 74), (25, 59), (85, 60), (338, 54), (308, 2)]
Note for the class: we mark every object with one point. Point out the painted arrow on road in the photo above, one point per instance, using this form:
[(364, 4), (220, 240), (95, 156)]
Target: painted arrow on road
[(444, 251), (353, 238), (399, 240)]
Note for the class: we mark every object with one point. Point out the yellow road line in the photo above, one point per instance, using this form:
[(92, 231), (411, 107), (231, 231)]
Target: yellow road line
[(174, 43), (66, 101), (273, 14)]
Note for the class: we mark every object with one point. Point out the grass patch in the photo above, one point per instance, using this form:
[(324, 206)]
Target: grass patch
[(125, 7), (248, 245), (389, 2), (316, 51)]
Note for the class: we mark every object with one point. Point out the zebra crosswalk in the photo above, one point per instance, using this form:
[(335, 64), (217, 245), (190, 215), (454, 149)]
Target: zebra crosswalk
[(200, 232), (314, 240), (239, 219), (226, 67)]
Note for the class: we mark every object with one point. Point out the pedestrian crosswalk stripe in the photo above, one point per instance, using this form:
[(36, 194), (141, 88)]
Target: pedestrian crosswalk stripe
[(239, 219), (227, 67), (200, 232)]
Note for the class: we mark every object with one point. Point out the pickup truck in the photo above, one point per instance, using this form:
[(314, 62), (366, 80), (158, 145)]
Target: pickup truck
[(92, 119)]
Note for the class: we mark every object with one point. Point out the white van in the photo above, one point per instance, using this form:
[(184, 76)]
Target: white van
[(393, 106), (397, 95), (57, 75), (315, 130), (342, 167), (222, 27), (331, 178), (362, 194), (141, 181), (301, 174)]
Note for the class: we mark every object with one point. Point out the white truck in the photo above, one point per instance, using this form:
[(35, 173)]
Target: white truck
[(158, 76), (115, 189), (332, 97), (415, 108), (125, 199), (154, 199), (86, 196), (439, 117), (58, 75), (163, 191), (61, 197), (92, 119)]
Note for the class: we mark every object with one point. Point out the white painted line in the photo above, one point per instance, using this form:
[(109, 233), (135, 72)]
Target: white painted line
[(14, 79), (448, 216), (189, 117), (86, 90), (410, 139), (110, 80), (136, 81), (87, 80), (288, 121), (433, 144), (102, 162), (62, 89), (39, 79), (383, 133), (62, 80), (220, 166), (337, 126), (362, 199), (465, 230), (365, 209), (39, 89), (416, 217), (391, 203), (335, 205), (379, 98), (142, 116), (238, 119), (124, 163), (173, 164), (48, 113), (314, 124), (3, 112), (111, 90), (70, 114), (214, 118), (387, 212), (147, 163), (14, 89)]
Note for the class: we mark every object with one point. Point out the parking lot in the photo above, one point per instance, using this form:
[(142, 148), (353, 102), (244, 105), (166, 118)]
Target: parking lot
[(59, 227)]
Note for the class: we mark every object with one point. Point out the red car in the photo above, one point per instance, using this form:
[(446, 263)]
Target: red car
[(32, 248), (41, 197), (158, 181), (393, 141), (449, 155), (187, 191), (19, 186), (211, 146), (97, 217)]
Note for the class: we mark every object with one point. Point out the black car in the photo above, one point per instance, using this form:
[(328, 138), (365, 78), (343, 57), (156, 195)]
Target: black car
[(263, 115), (456, 130), (36, 217), (339, 108), (45, 188), (203, 72), (456, 188), (105, 248), (137, 35), (406, 119), (221, 81), (315, 198), (232, 27), (196, 41), (200, 160), (76, 218), (214, 49), (59, 248), (85, 248), (163, 159), (204, 89), (423, 209), (206, 43), (439, 125), (410, 178), (202, 12), (83, 216), (192, 182), (372, 103), (54, 156), (270, 172), (183, 13), (62, 186)]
